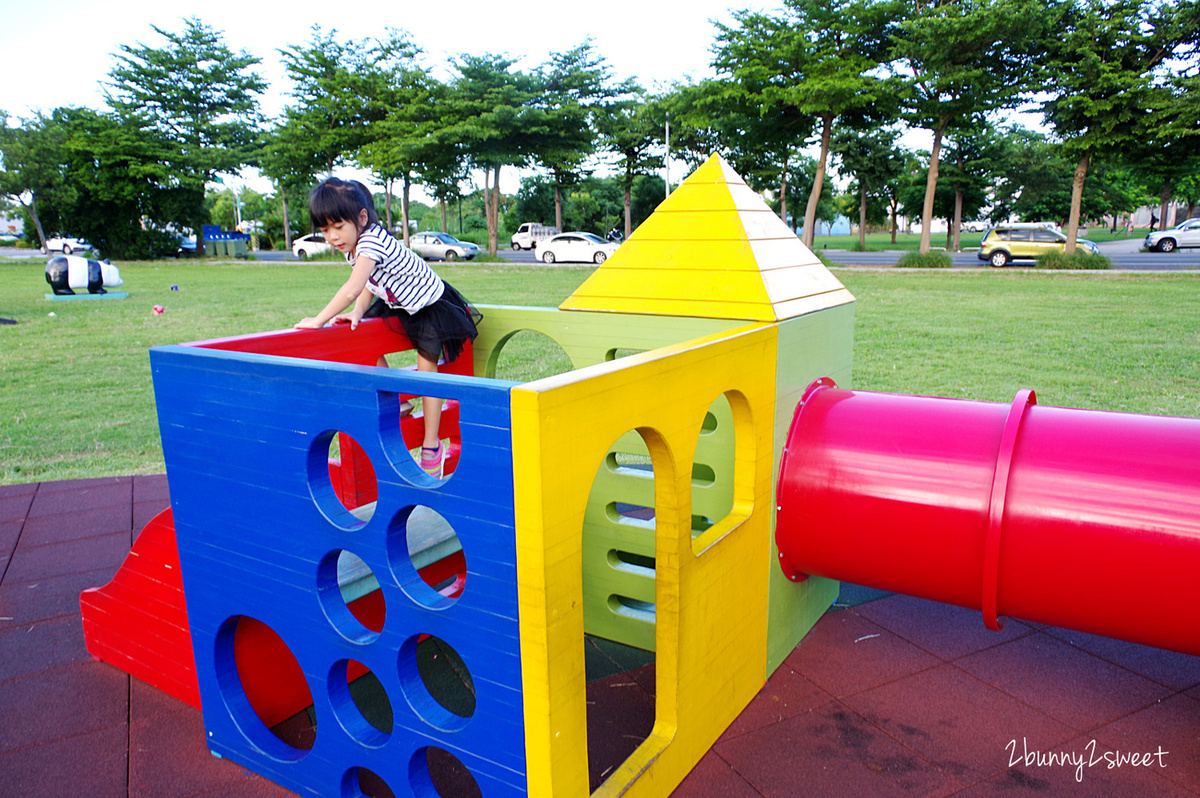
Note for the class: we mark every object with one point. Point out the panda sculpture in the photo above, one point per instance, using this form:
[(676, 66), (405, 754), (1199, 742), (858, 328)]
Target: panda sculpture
[(67, 272)]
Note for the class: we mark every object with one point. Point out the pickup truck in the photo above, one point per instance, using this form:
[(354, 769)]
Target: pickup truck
[(530, 233)]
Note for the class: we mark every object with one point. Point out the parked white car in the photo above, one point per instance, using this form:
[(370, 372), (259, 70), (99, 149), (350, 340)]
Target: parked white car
[(67, 245), (441, 246), (309, 245), (1186, 234), (576, 247)]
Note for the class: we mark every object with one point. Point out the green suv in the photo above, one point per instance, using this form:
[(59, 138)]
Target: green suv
[(1025, 241)]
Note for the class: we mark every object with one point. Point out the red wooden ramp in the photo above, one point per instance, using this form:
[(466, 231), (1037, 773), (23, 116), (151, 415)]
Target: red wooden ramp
[(138, 621)]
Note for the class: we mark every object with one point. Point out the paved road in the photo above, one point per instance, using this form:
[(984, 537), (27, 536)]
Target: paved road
[(1123, 254)]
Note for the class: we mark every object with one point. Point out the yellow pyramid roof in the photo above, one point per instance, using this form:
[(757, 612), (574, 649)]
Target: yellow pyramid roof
[(712, 249)]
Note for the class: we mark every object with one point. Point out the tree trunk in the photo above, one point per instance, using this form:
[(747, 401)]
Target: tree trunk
[(487, 199), (958, 205), (810, 213), (387, 193), (1165, 198), (287, 225), (1076, 201), (893, 204), (783, 185), (37, 223), (930, 188), (557, 206), (403, 208), (862, 217), (628, 205), (444, 215), (492, 210)]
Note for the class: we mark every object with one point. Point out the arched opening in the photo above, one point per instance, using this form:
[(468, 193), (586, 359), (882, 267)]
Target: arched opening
[(527, 355), (619, 551)]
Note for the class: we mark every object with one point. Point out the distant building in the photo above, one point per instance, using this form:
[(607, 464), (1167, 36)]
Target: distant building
[(12, 225)]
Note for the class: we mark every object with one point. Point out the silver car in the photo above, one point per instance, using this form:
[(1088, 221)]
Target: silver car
[(1186, 234), (442, 246)]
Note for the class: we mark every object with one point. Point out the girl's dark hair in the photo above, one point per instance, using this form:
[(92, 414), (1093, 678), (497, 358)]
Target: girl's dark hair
[(337, 200)]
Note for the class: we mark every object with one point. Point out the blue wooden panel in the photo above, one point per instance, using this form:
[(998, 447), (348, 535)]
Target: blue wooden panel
[(242, 440)]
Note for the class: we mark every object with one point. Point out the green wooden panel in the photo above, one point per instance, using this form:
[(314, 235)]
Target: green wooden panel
[(810, 347)]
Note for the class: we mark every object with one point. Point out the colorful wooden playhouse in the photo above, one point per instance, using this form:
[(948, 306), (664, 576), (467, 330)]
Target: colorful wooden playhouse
[(631, 498)]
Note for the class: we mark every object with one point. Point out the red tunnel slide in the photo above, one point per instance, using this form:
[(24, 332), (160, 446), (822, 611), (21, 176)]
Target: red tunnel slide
[(1081, 519)]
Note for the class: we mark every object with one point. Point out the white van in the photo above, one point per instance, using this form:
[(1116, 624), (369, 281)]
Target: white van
[(530, 233)]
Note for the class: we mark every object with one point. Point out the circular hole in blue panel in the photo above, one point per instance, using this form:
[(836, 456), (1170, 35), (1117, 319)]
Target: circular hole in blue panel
[(360, 702), (264, 689), (341, 479), (426, 557), (361, 781), (402, 433), (436, 682), (350, 596), (436, 773)]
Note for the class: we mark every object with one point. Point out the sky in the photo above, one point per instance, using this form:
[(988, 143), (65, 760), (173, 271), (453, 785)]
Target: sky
[(68, 53)]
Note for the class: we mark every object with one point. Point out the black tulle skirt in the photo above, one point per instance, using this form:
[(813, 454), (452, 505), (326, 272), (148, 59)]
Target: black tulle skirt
[(437, 331)]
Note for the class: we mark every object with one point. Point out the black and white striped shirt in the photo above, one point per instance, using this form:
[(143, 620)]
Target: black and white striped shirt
[(401, 277)]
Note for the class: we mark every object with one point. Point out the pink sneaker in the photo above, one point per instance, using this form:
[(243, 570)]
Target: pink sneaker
[(432, 460)]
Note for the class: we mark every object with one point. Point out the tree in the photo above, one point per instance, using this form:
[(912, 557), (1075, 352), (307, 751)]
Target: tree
[(405, 105), (816, 62), (761, 142), (961, 59), (497, 122), (34, 160), (1102, 66), (128, 191), (875, 162), (629, 130), (282, 159), (336, 101), (575, 86), (973, 157), (442, 173), (196, 94), (1035, 183), (802, 173)]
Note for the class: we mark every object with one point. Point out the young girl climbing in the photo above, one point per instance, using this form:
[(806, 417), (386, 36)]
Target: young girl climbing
[(389, 280)]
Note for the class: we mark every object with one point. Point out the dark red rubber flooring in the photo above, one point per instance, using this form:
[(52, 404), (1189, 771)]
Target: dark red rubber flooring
[(890, 696)]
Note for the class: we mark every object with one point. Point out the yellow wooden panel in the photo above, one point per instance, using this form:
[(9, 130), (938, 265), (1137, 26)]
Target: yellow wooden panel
[(695, 285), (734, 254), (700, 196), (710, 232), (700, 225), (711, 609), (674, 307), (713, 225)]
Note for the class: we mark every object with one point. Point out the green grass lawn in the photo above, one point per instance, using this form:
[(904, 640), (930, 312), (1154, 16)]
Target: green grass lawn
[(76, 398)]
